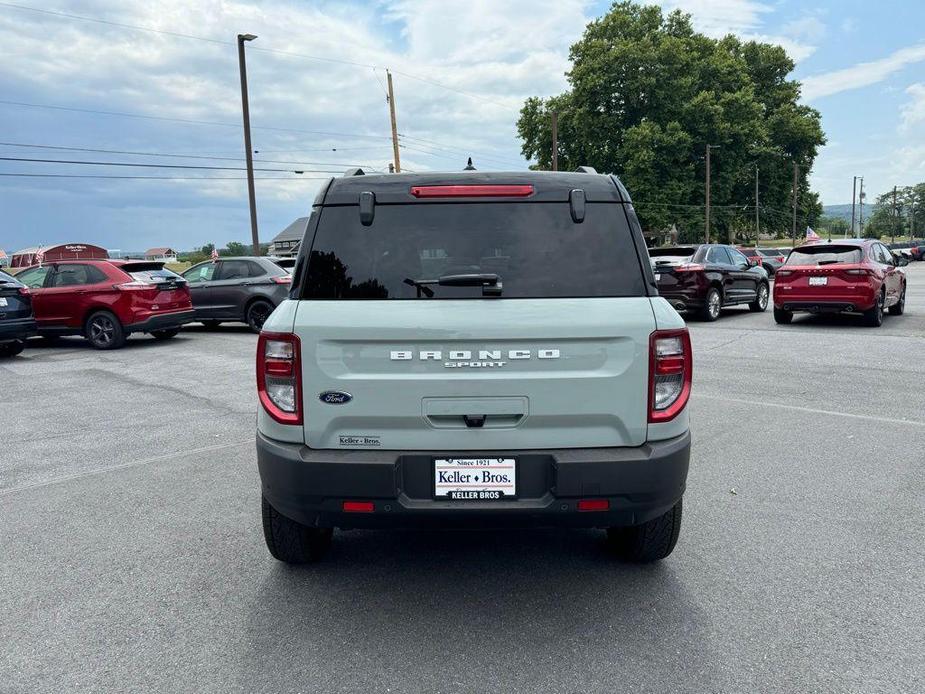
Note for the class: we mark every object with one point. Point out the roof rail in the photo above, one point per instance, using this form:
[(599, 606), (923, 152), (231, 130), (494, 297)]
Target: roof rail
[(586, 169), (354, 172)]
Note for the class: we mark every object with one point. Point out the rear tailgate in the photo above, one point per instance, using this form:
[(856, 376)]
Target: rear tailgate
[(13, 303), (543, 373), (165, 290)]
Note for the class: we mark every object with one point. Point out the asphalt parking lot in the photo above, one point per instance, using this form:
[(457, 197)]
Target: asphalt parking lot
[(133, 560)]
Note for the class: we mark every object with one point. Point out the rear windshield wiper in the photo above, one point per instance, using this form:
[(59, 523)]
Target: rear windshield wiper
[(489, 282)]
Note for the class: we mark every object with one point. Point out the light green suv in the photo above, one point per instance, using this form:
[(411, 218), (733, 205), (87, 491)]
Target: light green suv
[(473, 349)]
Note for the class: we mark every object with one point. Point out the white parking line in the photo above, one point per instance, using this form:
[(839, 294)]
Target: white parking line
[(811, 410), (122, 466)]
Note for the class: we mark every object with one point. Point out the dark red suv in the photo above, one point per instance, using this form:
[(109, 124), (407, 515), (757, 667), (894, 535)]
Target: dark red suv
[(850, 276), (107, 300)]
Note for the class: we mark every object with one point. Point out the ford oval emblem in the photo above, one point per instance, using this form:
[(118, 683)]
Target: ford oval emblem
[(335, 397)]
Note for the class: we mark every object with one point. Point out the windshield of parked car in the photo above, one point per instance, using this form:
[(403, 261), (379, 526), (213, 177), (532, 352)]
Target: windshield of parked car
[(827, 254), (534, 249)]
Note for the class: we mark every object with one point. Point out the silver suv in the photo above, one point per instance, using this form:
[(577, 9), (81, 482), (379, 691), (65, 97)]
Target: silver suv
[(473, 349)]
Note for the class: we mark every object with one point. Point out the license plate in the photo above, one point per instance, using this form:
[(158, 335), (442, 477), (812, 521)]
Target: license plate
[(2, 301), (475, 479), (818, 281)]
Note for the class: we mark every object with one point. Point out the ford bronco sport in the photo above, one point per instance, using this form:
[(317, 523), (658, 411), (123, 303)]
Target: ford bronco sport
[(473, 349)]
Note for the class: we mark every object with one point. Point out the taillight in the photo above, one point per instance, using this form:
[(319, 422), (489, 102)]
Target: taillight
[(470, 191), (857, 271), (688, 267), (670, 373), (286, 279), (279, 376), (132, 286)]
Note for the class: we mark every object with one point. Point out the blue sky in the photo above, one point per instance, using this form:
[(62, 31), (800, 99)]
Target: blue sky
[(862, 63)]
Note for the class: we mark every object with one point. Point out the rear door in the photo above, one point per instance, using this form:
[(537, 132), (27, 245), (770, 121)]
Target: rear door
[(719, 262), (233, 286), (200, 279), (559, 359)]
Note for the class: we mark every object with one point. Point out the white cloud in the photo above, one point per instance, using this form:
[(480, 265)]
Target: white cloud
[(862, 74), (913, 112), (744, 18)]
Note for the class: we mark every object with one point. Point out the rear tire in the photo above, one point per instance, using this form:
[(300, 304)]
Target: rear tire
[(873, 317), (651, 541), (11, 349), (104, 331), (290, 541), (899, 307), (165, 334), (782, 317), (257, 314), (712, 305), (761, 301)]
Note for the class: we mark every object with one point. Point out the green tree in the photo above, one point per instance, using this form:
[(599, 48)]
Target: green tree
[(648, 93), (237, 248), (207, 249), (833, 226)]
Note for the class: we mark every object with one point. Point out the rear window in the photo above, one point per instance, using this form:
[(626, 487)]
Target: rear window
[(535, 249), (827, 254), (155, 276)]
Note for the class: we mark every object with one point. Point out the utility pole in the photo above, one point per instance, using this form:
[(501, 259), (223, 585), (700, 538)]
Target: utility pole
[(893, 219), (706, 228), (854, 195), (861, 209), (248, 150), (555, 140), (394, 125), (757, 223), (796, 174)]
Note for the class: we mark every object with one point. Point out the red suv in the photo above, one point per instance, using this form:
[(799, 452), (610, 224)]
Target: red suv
[(851, 276), (107, 300)]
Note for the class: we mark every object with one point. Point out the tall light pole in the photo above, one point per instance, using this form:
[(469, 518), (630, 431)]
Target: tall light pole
[(248, 150), (796, 183), (757, 219), (854, 196)]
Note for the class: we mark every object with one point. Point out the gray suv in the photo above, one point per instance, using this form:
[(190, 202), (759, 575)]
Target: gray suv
[(473, 349), (244, 290)]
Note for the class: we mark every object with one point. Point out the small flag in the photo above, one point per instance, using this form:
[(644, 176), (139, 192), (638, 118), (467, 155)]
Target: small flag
[(40, 255), (812, 235), (214, 255), (2, 254)]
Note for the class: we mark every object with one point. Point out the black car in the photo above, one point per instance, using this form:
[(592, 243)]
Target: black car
[(16, 319), (704, 278), (244, 290)]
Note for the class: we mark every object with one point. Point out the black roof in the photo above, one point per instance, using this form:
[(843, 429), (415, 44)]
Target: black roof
[(549, 186)]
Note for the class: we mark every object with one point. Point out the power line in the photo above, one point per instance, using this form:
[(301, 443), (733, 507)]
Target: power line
[(123, 114), (175, 155), (156, 166), (164, 178)]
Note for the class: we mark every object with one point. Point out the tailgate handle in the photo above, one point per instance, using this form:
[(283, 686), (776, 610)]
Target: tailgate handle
[(474, 421)]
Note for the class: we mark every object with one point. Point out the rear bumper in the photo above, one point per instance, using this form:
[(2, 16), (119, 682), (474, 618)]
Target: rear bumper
[(684, 301), (824, 302), (162, 321), (310, 486), (17, 329)]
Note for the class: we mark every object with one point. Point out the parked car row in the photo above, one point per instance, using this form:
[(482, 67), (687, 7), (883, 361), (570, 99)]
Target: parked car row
[(108, 300), (859, 276)]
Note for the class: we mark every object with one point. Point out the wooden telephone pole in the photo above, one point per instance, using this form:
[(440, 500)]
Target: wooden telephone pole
[(394, 125)]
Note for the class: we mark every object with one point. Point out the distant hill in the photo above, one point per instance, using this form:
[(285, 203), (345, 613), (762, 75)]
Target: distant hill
[(844, 211)]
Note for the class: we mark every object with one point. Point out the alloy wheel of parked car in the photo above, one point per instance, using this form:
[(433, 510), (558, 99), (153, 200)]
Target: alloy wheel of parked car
[(257, 314), (104, 331), (874, 316), (761, 301), (899, 307), (712, 305)]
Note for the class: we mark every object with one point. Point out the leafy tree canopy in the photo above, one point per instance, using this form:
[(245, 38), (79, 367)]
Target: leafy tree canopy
[(905, 218), (647, 95)]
